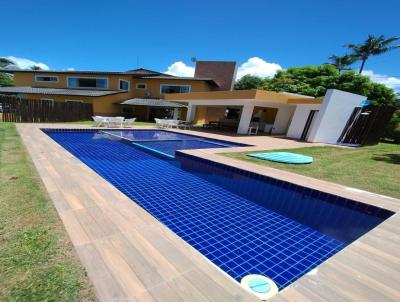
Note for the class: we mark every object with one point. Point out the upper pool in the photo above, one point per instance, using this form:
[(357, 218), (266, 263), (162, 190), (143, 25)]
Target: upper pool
[(243, 222)]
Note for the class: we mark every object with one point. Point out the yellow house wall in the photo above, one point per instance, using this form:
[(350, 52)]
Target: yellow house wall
[(103, 105), (153, 85)]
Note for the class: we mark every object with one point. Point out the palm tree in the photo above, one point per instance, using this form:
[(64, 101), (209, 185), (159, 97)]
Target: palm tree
[(36, 67), (373, 46), (4, 62), (342, 62)]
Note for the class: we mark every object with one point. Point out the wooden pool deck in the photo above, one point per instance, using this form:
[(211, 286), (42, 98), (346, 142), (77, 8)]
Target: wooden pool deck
[(130, 256)]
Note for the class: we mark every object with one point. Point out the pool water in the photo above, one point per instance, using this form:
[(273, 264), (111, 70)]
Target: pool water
[(167, 142), (243, 222)]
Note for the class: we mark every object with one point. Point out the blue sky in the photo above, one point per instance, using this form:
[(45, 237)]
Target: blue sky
[(121, 35)]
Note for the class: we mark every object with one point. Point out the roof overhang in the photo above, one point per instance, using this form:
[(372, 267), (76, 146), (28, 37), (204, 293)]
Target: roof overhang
[(151, 103), (213, 97), (57, 91)]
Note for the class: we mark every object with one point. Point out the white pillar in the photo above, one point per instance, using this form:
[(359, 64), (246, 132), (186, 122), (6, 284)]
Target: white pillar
[(245, 118), (191, 113), (176, 113)]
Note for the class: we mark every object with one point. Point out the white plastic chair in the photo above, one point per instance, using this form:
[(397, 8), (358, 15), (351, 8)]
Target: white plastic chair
[(173, 123), (100, 121), (116, 121), (128, 122), (159, 123)]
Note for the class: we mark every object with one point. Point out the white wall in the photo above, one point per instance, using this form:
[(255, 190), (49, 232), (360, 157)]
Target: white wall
[(335, 111), (282, 119), (245, 118), (300, 118)]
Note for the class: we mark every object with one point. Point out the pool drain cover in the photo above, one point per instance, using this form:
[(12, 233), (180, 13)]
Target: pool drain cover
[(263, 287)]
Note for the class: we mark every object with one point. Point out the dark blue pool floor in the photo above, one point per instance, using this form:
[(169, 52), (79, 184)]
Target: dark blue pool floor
[(235, 233)]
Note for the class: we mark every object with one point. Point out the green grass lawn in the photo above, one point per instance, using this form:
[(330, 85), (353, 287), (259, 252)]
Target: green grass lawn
[(375, 169), (37, 261)]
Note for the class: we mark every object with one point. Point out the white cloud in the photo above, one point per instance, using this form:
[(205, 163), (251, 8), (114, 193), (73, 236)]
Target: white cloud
[(23, 63), (180, 69), (258, 67), (70, 69), (254, 66), (391, 82)]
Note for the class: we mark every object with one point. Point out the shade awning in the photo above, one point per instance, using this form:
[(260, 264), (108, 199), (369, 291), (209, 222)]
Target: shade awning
[(152, 103)]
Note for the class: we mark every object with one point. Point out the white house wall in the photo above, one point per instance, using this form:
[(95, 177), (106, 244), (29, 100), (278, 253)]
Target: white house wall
[(282, 119), (335, 111), (299, 120)]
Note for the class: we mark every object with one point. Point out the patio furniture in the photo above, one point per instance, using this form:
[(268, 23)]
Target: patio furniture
[(253, 130), (172, 123), (228, 124), (211, 125), (100, 121), (115, 121), (186, 125), (128, 122)]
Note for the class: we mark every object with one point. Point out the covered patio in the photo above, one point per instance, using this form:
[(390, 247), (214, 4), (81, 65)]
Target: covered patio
[(146, 110), (237, 111)]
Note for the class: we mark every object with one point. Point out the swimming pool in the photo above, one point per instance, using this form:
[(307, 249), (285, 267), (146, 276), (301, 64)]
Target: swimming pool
[(166, 142), (243, 222)]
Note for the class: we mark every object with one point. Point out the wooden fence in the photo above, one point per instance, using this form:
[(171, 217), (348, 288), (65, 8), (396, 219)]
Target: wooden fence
[(366, 125), (18, 110)]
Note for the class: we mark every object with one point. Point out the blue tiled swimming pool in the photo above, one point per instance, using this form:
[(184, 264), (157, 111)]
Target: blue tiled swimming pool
[(167, 142), (243, 222)]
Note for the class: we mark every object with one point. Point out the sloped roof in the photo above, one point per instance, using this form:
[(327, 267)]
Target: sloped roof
[(136, 73), (151, 102), (57, 91)]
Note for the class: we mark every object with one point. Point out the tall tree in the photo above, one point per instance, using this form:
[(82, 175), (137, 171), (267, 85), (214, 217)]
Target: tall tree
[(342, 62), (36, 67), (6, 79), (4, 62), (373, 46), (249, 82), (315, 80)]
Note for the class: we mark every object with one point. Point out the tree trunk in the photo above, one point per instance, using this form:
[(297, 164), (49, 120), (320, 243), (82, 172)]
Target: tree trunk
[(362, 65)]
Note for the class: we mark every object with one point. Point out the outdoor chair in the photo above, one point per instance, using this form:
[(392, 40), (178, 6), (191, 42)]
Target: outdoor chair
[(186, 125), (159, 122), (172, 123), (116, 121), (128, 122), (100, 121)]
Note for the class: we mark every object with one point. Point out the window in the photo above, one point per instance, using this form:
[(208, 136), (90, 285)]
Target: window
[(98, 83), (73, 101), (123, 85), (45, 78), (174, 89), (141, 86)]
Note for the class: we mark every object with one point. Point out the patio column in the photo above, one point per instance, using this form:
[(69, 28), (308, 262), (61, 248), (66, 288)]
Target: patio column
[(191, 112), (245, 118), (176, 113)]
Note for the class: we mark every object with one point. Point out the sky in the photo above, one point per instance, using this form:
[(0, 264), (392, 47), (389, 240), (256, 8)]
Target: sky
[(262, 36)]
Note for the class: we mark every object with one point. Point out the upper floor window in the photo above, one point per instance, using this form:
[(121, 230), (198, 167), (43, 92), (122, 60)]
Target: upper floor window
[(123, 85), (45, 78), (98, 83), (174, 89), (141, 85), (73, 101)]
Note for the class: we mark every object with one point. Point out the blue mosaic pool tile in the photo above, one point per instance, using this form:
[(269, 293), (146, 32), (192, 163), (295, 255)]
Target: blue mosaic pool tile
[(277, 232)]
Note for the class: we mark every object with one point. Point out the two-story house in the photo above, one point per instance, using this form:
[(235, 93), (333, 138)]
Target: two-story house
[(138, 92)]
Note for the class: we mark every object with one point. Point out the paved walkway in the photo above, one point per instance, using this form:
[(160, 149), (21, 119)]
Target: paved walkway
[(130, 256)]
